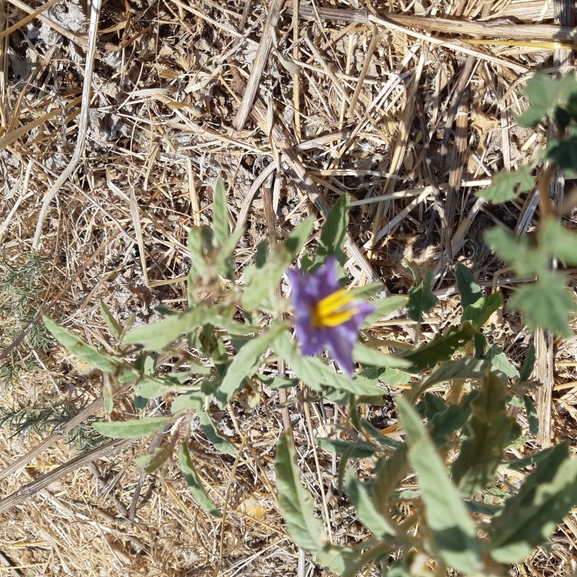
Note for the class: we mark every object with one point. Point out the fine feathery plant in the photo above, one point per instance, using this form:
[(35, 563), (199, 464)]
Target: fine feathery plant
[(22, 285), (464, 514)]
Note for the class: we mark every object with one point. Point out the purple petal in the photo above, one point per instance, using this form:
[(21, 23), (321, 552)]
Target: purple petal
[(307, 291)]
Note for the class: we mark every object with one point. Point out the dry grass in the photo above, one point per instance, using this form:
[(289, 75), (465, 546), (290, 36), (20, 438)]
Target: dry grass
[(398, 104)]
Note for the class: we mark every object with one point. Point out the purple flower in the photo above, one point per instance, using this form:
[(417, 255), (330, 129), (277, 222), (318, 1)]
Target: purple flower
[(326, 316)]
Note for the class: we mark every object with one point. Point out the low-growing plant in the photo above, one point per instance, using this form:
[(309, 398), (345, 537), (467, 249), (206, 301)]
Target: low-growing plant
[(462, 513), (21, 288)]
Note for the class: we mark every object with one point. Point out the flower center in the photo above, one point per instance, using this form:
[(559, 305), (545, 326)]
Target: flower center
[(333, 310)]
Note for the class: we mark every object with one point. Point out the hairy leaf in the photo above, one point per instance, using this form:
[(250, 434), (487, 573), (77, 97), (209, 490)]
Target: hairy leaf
[(451, 370), (316, 374), (82, 350), (454, 532), (246, 361), (157, 336), (131, 429), (113, 325), (295, 501), (215, 436), (334, 230), (193, 482), (371, 517), (421, 297), (367, 356), (220, 214)]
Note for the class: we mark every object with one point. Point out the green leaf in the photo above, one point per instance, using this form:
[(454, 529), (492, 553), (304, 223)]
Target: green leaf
[(353, 450), (385, 308), (444, 423), (372, 519), (220, 214), (131, 429), (223, 261), (421, 297), (480, 312), (544, 94), (529, 518), (278, 382), (453, 370), (508, 185), (546, 304), (500, 362), (261, 282), (215, 436), (193, 481), (529, 460), (517, 250), (152, 387), (454, 532), (528, 365), (113, 325), (157, 336), (193, 401), (394, 377), (532, 416), (389, 473), (296, 502), (198, 264), (372, 431), (316, 374), (557, 241), (246, 361), (441, 348), (82, 350), (489, 428), (367, 356), (469, 290), (563, 152), (334, 230)]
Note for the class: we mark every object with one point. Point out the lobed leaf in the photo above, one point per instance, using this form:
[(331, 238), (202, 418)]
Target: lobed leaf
[(489, 427), (546, 304), (441, 348), (508, 185)]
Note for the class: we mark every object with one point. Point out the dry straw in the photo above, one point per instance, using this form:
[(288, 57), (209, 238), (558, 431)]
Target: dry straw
[(111, 142)]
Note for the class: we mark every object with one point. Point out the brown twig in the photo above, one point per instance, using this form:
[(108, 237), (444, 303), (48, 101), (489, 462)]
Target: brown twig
[(29, 490), (259, 63)]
